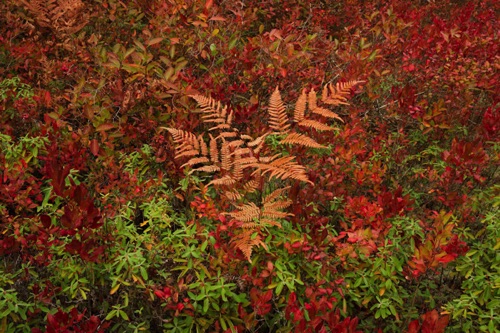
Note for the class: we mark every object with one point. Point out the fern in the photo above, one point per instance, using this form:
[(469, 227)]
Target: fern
[(253, 218), (278, 119), (239, 166), (336, 94), (64, 17), (246, 241), (300, 139), (283, 168), (312, 99), (300, 107)]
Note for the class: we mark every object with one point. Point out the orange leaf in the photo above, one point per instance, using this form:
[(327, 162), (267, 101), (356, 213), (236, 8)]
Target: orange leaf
[(154, 41), (94, 147), (115, 288), (105, 127), (217, 18)]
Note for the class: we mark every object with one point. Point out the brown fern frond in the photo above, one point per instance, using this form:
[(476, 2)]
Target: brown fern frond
[(189, 144), (225, 135), (333, 96), (232, 195), (183, 137), (257, 141), (250, 225), (274, 195), (268, 159), (316, 125), (252, 185), (336, 94), (229, 119), (273, 206), (64, 17), (270, 222), (274, 209), (236, 143), (226, 156), (40, 9), (226, 180), (220, 127), (195, 161), (278, 119), (301, 139), (186, 149), (246, 162), (206, 168), (274, 214), (246, 241), (243, 151), (215, 120), (209, 107), (257, 149), (283, 168), (237, 167), (300, 107), (246, 212), (203, 146), (213, 112), (192, 152), (214, 151), (313, 106)]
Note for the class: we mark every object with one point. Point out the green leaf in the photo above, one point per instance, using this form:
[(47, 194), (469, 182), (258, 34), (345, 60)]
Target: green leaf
[(144, 273), (215, 306), (139, 45), (206, 304), (124, 315), (232, 43), (223, 323), (111, 315), (279, 288), (393, 310), (213, 49)]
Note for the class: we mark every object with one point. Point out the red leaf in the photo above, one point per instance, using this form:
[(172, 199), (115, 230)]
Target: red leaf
[(105, 127), (94, 147), (413, 327)]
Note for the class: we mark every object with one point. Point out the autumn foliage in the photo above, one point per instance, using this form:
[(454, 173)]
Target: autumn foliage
[(249, 166)]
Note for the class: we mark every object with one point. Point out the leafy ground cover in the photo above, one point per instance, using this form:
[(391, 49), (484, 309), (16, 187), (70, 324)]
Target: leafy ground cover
[(249, 166)]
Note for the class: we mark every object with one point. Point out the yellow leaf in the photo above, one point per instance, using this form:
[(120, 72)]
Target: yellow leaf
[(366, 300), (381, 292), (115, 288), (154, 41), (84, 295)]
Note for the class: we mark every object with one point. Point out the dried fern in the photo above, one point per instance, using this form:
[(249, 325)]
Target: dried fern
[(283, 168), (246, 241), (316, 125), (253, 217), (63, 17), (300, 107), (278, 119), (312, 100), (302, 140), (336, 94), (233, 157)]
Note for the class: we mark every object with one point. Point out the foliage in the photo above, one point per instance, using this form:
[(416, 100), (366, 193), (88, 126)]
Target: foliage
[(256, 166)]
